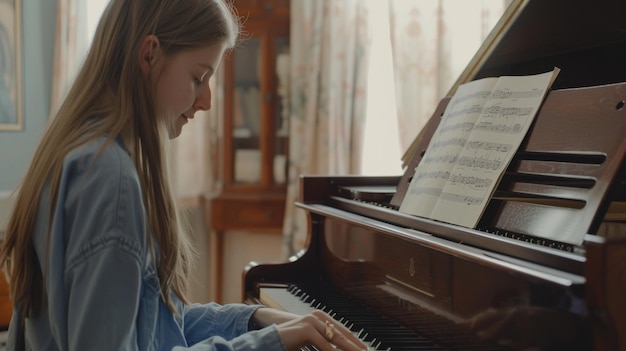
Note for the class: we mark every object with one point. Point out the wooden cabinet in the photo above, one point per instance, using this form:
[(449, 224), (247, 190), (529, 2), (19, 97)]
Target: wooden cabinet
[(254, 140)]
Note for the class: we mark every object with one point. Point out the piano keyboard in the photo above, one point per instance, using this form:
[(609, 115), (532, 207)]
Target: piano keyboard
[(376, 331)]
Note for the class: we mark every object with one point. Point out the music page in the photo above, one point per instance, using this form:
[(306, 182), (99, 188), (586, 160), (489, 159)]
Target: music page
[(457, 122), (473, 146)]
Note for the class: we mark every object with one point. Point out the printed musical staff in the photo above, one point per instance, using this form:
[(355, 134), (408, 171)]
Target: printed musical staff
[(489, 146), (479, 162)]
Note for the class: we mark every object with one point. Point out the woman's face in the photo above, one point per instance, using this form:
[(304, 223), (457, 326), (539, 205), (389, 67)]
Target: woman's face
[(182, 84)]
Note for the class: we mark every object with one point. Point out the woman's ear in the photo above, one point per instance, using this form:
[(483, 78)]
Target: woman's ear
[(148, 52)]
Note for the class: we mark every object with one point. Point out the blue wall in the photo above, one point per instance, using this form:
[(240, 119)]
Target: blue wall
[(17, 147)]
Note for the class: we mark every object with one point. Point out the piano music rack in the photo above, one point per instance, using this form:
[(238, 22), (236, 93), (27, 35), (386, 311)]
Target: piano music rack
[(567, 171)]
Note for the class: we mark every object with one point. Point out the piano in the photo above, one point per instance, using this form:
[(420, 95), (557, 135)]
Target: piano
[(403, 282)]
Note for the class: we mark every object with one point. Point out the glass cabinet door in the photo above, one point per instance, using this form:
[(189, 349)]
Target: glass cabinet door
[(257, 117), (281, 111), (247, 117), (256, 86)]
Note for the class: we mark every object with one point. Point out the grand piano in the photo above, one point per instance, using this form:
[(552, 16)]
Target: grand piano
[(403, 282)]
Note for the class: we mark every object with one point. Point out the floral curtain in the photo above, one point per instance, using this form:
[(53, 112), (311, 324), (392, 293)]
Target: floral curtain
[(65, 56), (75, 24), (432, 42), (330, 41)]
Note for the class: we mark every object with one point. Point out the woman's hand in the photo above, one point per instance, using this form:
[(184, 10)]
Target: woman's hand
[(317, 329)]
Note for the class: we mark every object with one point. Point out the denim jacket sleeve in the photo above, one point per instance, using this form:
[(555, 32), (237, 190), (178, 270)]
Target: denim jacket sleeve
[(203, 320), (209, 326)]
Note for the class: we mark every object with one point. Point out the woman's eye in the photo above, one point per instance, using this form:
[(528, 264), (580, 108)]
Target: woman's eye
[(197, 81)]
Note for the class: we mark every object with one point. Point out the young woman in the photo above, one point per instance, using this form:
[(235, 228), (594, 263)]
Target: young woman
[(94, 249)]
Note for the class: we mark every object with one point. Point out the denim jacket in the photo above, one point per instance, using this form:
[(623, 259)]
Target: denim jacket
[(102, 290)]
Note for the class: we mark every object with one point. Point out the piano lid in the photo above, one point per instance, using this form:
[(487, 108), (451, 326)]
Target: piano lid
[(586, 39)]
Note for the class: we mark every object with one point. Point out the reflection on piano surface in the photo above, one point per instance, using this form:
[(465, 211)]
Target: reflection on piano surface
[(409, 283)]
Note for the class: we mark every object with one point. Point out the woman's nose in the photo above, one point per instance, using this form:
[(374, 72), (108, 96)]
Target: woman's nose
[(203, 100)]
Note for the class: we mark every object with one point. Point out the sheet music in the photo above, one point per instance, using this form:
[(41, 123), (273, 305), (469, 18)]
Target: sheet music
[(482, 128)]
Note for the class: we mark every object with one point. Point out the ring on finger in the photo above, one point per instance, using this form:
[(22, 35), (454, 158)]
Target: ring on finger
[(329, 331)]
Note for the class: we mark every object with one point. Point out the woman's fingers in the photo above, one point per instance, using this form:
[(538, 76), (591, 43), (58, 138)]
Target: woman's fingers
[(322, 331), (338, 334)]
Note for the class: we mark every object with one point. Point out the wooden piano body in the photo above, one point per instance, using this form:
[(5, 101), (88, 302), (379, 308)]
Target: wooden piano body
[(507, 284)]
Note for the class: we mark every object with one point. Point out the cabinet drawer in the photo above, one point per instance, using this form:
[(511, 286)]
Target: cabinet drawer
[(248, 214)]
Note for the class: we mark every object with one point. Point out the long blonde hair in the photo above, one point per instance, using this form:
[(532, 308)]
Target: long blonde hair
[(110, 96)]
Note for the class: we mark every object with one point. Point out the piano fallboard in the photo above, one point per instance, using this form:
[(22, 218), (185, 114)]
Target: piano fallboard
[(504, 243), (461, 249)]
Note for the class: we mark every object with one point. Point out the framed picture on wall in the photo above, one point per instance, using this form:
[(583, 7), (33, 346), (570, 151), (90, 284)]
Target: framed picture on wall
[(11, 116)]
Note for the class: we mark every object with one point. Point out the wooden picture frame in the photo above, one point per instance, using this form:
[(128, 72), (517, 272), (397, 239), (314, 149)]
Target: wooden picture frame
[(11, 94)]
